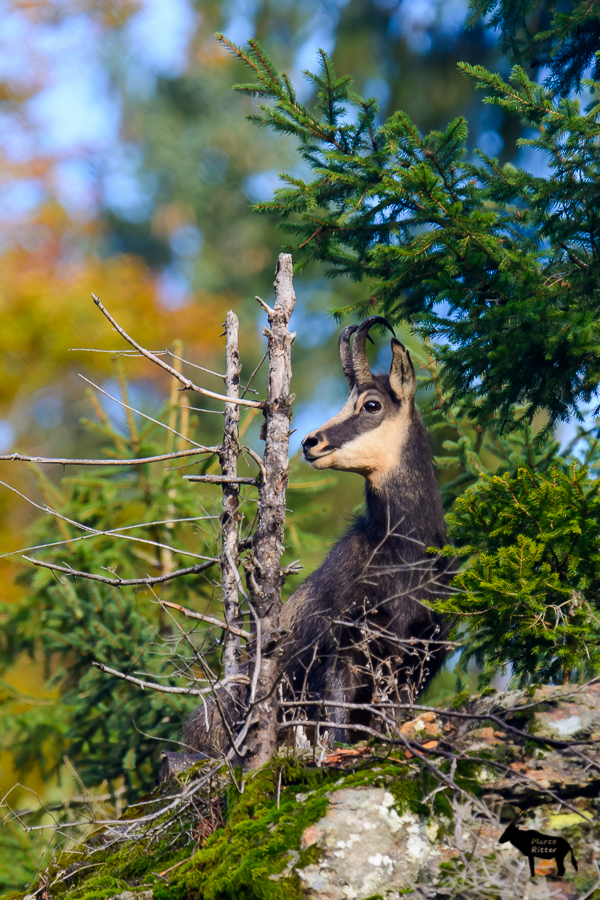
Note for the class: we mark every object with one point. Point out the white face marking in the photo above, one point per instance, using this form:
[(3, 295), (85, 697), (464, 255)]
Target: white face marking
[(372, 454)]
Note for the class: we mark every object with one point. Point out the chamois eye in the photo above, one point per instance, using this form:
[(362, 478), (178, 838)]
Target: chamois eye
[(372, 406)]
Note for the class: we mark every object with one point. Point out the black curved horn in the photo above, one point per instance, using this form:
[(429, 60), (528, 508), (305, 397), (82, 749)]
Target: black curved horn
[(346, 353), (362, 372)]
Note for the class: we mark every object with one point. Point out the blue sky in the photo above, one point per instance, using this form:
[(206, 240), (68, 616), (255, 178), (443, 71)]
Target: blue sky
[(77, 115)]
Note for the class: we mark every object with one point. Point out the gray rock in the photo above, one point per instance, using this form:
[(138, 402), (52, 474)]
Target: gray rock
[(133, 895), (367, 847)]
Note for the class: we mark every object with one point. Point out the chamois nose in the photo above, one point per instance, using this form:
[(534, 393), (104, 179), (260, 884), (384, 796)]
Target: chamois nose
[(311, 441)]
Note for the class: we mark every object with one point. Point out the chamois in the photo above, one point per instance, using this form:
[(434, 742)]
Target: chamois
[(534, 843), (357, 630)]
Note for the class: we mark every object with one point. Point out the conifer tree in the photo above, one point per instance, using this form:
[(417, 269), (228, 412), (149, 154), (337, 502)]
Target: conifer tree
[(495, 268), (493, 264), (530, 595), (542, 33)]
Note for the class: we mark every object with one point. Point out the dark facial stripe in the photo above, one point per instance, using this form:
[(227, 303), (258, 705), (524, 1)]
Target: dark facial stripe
[(359, 422), (341, 434)]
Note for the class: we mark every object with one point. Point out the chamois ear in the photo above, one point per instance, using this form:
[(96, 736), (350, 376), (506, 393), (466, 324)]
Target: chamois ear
[(402, 372)]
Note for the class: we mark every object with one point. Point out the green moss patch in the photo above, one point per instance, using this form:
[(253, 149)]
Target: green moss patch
[(249, 857)]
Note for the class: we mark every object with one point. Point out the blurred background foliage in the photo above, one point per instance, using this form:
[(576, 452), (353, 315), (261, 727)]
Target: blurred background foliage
[(127, 168)]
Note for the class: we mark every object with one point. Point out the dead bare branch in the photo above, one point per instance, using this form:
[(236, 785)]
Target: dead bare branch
[(187, 384), (220, 479), (139, 412), (191, 614), (266, 578), (124, 582), (132, 461), (165, 689), (230, 517), (93, 532), (112, 531)]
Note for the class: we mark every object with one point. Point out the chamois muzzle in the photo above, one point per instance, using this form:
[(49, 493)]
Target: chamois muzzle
[(313, 441)]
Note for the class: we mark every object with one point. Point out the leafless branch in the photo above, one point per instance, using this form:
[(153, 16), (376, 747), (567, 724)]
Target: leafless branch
[(187, 384), (266, 578), (133, 354), (191, 614), (255, 372), (187, 362), (112, 531), (256, 459), (220, 479), (133, 461), (230, 518), (138, 411), (93, 532), (164, 689), (124, 582)]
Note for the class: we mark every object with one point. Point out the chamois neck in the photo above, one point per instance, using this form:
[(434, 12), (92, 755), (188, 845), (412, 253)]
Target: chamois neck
[(408, 500)]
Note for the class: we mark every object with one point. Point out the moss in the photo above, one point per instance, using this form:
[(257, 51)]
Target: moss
[(311, 856), (519, 718), (573, 828), (240, 859), (98, 888), (531, 689), (460, 699), (135, 861), (533, 749), (237, 860), (505, 754), (442, 806), (408, 794)]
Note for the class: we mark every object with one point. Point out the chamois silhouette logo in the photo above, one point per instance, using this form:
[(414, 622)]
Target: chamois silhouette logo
[(534, 843)]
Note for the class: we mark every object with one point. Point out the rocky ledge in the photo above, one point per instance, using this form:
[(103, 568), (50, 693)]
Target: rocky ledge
[(419, 821)]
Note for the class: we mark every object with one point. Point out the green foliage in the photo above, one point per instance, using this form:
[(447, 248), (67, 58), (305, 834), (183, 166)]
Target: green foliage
[(530, 594), (464, 451), (496, 270), (125, 522), (19, 855), (135, 522), (546, 33), (498, 266)]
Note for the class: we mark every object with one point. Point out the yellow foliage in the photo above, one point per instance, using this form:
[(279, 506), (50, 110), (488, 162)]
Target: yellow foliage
[(46, 308)]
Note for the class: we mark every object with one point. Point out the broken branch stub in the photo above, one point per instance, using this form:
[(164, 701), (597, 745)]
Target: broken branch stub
[(265, 576), (230, 516)]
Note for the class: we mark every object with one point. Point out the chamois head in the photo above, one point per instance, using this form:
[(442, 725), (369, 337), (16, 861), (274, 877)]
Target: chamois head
[(510, 829), (368, 433)]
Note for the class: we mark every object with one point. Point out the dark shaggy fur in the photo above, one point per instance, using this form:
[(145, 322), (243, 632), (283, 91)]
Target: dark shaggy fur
[(376, 575)]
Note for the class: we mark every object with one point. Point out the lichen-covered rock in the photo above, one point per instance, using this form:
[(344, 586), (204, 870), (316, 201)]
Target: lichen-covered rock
[(133, 895), (562, 713), (367, 847)]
